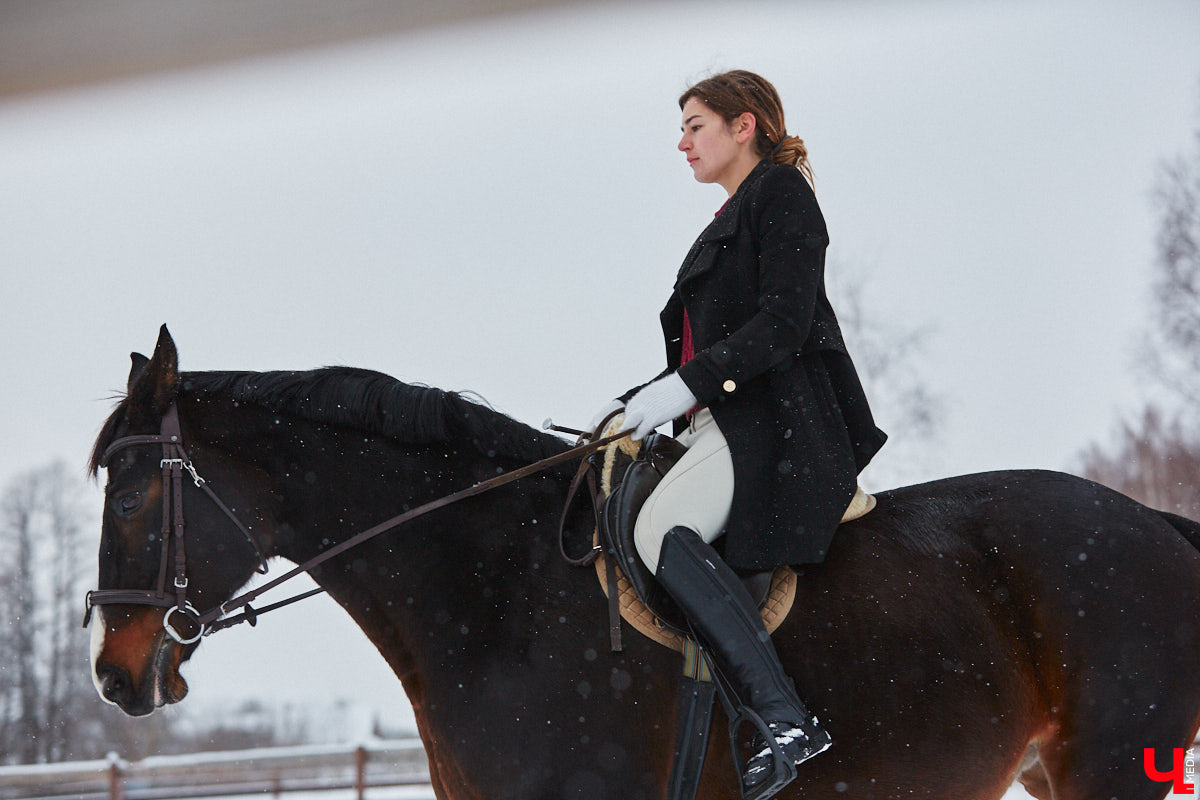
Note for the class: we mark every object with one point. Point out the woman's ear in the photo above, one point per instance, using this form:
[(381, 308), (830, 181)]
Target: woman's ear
[(744, 127)]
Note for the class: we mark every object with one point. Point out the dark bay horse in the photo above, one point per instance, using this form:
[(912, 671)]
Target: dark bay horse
[(966, 631)]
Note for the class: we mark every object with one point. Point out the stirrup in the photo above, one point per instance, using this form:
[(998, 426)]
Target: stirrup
[(783, 769)]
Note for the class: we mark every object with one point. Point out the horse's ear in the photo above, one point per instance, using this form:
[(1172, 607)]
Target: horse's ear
[(135, 369), (153, 388)]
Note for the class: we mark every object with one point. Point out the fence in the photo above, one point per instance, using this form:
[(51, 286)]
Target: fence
[(274, 771), (263, 771)]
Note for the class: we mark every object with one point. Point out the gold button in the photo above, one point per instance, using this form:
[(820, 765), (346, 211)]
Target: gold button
[(729, 386)]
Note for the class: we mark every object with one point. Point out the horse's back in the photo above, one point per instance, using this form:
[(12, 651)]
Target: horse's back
[(1040, 525)]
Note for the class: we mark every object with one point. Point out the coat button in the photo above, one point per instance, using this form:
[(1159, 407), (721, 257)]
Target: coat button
[(729, 386)]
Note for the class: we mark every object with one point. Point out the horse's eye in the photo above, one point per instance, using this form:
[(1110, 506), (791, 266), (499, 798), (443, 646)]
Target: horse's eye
[(128, 503)]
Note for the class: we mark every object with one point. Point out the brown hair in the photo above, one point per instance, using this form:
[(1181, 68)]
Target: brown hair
[(738, 91)]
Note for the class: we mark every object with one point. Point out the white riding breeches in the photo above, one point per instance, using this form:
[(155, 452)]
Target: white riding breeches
[(696, 493)]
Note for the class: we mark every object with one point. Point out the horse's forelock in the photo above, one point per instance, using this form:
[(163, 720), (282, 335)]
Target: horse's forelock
[(106, 437)]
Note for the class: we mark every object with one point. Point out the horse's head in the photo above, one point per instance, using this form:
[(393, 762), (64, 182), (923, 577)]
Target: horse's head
[(155, 571)]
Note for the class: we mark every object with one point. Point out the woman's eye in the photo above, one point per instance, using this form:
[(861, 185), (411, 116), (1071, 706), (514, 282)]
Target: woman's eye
[(128, 503)]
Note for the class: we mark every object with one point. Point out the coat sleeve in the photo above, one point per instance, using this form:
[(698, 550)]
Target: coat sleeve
[(792, 239)]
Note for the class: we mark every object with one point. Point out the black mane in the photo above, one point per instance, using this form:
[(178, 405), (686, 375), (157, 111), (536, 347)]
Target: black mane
[(368, 401)]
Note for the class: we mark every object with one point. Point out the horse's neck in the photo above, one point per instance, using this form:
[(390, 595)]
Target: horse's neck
[(471, 562), (321, 484), (342, 483)]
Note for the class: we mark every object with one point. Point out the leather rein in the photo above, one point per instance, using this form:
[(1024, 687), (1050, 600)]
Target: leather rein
[(175, 462)]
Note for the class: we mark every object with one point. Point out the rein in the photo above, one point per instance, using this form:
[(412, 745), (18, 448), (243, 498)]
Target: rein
[(175, 461)]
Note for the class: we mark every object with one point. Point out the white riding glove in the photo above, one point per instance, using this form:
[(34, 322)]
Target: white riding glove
[(658, 402), (613, 405)]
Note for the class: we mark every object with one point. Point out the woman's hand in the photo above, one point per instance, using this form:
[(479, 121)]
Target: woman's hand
[(659, 402), (602, 414)]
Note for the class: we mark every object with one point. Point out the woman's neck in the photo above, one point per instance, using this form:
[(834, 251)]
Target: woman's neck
[(738, 170)]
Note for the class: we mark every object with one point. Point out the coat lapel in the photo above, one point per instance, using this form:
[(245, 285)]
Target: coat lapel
[(723, 227)]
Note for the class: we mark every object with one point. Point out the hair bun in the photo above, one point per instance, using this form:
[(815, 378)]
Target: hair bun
[(791, 150)]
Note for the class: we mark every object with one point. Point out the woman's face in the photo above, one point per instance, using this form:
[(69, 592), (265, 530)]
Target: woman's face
[(714, 147)]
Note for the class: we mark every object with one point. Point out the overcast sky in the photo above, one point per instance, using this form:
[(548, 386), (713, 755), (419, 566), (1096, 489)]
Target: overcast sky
[(500, 207)]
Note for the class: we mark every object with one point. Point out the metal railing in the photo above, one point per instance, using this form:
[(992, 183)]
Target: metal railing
[(273, 771)]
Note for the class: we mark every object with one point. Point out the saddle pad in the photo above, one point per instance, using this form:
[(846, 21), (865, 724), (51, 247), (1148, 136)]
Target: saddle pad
[(774, 611)]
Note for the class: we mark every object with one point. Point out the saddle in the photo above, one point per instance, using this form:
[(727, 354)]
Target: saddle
[(620, 480)]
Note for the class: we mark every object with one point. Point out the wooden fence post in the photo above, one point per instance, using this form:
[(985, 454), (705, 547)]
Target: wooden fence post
[(360, 772), (116, 791)]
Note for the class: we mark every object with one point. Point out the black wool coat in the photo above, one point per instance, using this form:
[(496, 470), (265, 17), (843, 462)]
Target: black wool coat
[(771, 365)]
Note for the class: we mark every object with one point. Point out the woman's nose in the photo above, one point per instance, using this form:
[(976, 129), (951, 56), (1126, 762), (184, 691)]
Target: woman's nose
[(683, 145)]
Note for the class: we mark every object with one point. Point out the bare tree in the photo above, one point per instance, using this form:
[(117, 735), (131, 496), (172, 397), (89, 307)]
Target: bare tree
[(45, 654), (1172, 351), (1152, 461), (1156, 459), (69, 692), (20, 681), (888, 358)]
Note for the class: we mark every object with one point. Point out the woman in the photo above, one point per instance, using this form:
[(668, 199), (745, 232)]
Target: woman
[(761, 389)]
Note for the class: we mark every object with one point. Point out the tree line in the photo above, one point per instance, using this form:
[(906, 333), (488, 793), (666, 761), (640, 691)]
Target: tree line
[(49, 709), (1155, 457)]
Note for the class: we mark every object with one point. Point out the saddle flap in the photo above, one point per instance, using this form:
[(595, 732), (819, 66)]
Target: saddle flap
[(621, 510)]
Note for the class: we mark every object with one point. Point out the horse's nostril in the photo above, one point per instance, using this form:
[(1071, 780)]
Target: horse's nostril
[(114, 682)]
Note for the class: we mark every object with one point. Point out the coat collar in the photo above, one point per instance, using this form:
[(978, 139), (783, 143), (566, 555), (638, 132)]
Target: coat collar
[(725, 224), (723, 227)]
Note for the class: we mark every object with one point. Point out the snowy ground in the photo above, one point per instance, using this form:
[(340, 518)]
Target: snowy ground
[(1017, 792), (383, 793), (425, 792)]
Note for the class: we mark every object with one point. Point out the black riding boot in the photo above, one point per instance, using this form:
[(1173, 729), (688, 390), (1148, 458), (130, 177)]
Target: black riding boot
[(728, 626)]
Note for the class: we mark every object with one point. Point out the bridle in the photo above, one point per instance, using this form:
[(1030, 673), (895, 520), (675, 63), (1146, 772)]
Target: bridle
[(175, 462)]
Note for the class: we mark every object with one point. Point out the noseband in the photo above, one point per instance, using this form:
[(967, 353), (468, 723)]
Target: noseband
[(174, 463)]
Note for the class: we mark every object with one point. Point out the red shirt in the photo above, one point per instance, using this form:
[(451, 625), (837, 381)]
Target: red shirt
[(687, 349)]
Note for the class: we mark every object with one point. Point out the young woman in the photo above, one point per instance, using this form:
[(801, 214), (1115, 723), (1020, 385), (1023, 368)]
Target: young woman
[(761, 389)]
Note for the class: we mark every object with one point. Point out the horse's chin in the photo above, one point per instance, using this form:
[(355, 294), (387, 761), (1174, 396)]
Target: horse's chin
[(169, 685), (165, 684)]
